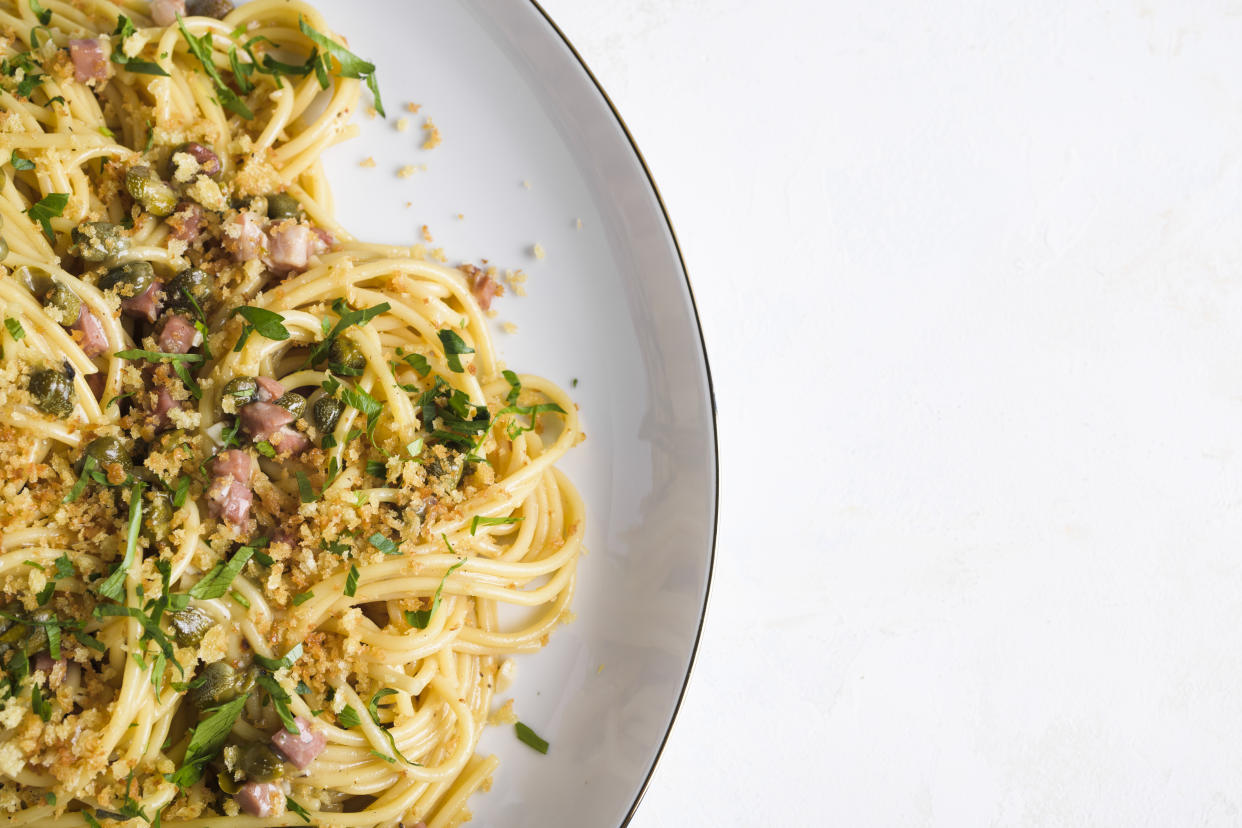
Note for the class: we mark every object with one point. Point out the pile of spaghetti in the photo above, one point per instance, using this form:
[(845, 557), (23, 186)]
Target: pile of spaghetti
[(264, 488)]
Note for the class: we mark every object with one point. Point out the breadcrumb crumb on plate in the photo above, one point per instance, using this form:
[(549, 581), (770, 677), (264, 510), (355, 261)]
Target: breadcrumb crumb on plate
[(537, 250), (433, 135), (369, 161)]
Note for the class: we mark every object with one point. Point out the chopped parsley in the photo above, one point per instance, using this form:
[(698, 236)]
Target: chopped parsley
[(266, 323), (305, 492), (114, 586), (14, 328), (383, 544), (302, 597), (351, 581), (348, 317), (20, 163), (454, 347), (43, 15), (348, 717), (280, 700), (206, 741), (124, 28), (217, 580), (297, 809), (421, 618), (529, 737), (286, 660), (45, 209), (490, 521), (373, 712), (201, 48), (351, 66)]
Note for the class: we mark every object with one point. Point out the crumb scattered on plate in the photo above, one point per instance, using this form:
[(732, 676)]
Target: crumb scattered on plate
[(578, 223), (406, 171), (526, 183), (402, 124), (412, 107), (427, 234), (509, 328), (433, 135), (537, 250), (367, 162)]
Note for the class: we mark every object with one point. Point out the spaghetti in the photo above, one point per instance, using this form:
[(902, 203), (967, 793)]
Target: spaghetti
[(264, 488)]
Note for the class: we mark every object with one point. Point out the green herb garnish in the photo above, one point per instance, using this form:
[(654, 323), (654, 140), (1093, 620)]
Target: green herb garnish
[(529, 737), (45, 209)]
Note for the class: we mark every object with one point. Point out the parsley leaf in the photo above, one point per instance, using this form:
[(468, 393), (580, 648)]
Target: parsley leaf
[(216, 582), (528, 737), (348, 317), (45, 209), (201, 48), (44, 15), (125, 28), (286, 660), (421, 618), (206, 741), (263, 321), (383, 544), (305, 492), (351, 581), (297, 809), (280, 700), (114, 586), (302, 597), (490, 521), (351, 66), (15, 328), (373, 712), (454, 346), (20, 163), (348, 717), (158, 356)]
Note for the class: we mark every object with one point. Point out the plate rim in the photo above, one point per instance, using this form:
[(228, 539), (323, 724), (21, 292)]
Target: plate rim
[(711, 399)]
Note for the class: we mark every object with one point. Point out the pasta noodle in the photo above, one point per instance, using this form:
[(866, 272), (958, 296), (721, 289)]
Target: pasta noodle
[(265, 489)]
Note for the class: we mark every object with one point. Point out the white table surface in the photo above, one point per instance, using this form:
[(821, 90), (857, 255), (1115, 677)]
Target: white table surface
[(970, 276)]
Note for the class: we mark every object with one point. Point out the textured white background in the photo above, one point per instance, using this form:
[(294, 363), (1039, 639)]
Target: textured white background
[(971, 279)]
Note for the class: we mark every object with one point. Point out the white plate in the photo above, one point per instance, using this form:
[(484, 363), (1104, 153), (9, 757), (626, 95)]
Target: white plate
[(609, 306)]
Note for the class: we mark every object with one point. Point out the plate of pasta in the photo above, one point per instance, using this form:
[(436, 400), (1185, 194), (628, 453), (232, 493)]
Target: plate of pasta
[(357, 452)]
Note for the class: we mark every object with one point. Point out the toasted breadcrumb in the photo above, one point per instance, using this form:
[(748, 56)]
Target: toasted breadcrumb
[(537, 250), (367, 162), (433, 135), (578, 223), (412, 107), (509, 328), (525, 183), (406, 171), (403, 124), (427, 235), (371, 112)]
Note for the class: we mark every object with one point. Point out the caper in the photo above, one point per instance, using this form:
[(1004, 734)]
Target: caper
[(99, 241), (346, 353), (34, 279), (326, 412), (64, 302), (261, 763), (190, 625), (156, 515), (52, 392), (36, 634), (191, 282), (221, 683), (295, 404), (107, 451), (131, 279), (241, 389), (149, 190), (209, 8), (283, 206)]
